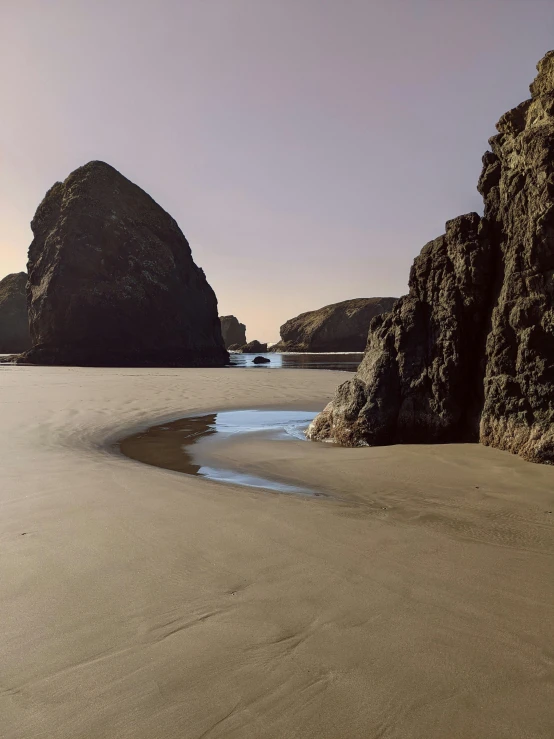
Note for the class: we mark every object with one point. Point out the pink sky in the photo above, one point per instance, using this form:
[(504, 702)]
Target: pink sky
[(307, 148)]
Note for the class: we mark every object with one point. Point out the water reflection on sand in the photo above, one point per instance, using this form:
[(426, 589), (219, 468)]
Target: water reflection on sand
[(172, 445)]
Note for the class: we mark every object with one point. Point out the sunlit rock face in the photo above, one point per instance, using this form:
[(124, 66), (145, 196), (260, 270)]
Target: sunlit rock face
[(517, 185), (340, 327), (468, 354), (112, 280)]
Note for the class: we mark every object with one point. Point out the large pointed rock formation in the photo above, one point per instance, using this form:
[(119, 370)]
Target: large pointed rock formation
[(14, 322), (112, 280), (468, 354)]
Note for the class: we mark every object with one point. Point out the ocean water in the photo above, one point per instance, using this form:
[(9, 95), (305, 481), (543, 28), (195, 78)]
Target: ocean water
[(348, 362), (277, 360)]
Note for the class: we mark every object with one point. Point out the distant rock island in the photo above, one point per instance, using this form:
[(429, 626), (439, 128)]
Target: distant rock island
[(340, 327), (233, 332), (468, 354), (112, 280), (14, 321), (252, 347)]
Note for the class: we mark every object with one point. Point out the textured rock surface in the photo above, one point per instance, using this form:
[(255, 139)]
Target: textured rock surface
[(341, 327), (253, 347), (417, 378), (469, 352), (14, 322), (112, 280), (518, 188), (233, 332)]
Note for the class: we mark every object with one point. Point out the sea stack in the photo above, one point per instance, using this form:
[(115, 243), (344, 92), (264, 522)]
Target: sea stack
[(232, 331), (112, 280), (468, 354), (340, 327), (14, 321), (253, 347)]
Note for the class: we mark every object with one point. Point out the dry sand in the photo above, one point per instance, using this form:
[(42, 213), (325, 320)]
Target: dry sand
[(136, 602)]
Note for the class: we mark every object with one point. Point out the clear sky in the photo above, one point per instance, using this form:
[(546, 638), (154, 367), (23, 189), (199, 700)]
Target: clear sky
[(307, 148)]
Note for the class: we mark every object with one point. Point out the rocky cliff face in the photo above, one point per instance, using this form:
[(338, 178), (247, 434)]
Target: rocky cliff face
[(469, 352), (112, 280), (517, 185), (232, 331), (341, 327), (14, 322)]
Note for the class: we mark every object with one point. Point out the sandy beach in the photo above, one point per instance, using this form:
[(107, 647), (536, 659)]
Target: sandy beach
[(414, 602)]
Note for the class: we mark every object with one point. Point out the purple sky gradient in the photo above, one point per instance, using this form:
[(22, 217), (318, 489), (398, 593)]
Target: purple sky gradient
[(307, 148)]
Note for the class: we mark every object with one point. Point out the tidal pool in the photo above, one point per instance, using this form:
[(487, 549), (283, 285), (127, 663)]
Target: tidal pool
[(174, 446)]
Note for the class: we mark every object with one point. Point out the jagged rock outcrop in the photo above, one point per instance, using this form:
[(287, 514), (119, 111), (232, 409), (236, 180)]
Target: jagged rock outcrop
[(468, 354), (253, 347), (417, 378), (14, 321), (112, 280), (517, 185), (233, 332), (341, 327)]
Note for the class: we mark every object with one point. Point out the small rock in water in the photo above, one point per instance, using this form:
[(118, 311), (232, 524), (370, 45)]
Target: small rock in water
[(261, 360)]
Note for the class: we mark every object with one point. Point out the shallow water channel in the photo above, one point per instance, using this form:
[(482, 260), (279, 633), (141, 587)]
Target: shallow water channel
[(176, 445)]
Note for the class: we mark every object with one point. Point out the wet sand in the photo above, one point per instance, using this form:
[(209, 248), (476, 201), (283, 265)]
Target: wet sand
[(139, 602)]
